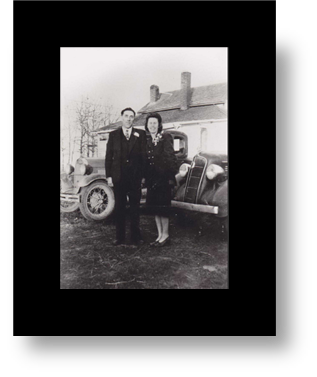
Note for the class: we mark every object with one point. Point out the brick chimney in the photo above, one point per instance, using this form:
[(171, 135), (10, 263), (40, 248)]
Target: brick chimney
[(154, 93), (185, 90)]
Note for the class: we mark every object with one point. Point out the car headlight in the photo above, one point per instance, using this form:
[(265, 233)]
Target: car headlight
[(69, 169), (214, 170), (183, 169), (83, 169)]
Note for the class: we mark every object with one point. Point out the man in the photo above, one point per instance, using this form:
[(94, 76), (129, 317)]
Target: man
[(125, 170)]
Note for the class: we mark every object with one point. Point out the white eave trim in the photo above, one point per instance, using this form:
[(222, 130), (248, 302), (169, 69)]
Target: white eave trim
[(179, 124), (193, 123)]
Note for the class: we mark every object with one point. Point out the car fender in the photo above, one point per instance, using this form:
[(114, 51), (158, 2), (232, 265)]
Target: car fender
[(67, 183), (88, 179), (220, 199), (180, 180), (179, 192)]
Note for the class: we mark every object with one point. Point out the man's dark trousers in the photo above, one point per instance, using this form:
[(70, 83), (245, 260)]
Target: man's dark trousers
[(125, 163), (121, 191)]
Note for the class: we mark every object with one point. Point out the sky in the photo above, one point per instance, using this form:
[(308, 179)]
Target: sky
[(122, 77)]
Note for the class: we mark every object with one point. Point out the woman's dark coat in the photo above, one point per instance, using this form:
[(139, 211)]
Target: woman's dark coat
[(161, 169), (161, 160)]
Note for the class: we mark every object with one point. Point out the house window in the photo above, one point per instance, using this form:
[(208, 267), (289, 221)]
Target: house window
[(203, 139)]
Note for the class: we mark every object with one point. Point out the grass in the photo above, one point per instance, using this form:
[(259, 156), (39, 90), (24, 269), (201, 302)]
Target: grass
[(196, 259)]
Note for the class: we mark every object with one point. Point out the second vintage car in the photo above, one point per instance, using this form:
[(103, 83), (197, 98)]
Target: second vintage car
[(202, 186)]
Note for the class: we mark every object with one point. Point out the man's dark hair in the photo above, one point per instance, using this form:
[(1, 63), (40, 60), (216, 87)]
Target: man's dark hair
[(158, 117), (126, 109)]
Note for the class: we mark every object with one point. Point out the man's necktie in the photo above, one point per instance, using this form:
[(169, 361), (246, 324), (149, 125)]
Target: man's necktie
[(127, 134)]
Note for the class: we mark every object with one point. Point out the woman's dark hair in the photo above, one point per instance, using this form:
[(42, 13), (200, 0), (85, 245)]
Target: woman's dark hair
[(158, 117), (126, 109)]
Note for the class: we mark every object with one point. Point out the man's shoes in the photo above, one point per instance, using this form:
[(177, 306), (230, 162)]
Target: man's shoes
[(117, 242), (166, 242)]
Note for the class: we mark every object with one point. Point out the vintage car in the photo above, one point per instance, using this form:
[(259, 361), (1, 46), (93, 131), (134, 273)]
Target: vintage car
[(203, 186), (85, 185)]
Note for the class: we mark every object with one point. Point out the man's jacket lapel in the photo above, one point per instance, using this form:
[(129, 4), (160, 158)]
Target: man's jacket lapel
[(132, 140), (117, 142)]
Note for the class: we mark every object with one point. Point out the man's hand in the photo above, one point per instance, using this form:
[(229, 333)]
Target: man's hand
[(109, 181)]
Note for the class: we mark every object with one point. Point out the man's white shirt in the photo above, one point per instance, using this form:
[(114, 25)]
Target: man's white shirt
[(124, 130)]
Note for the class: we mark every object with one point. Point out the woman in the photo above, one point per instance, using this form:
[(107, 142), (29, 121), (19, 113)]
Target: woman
[(160, 176)]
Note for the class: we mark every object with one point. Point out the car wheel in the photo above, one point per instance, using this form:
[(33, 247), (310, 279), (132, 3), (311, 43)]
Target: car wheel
[(97, 201), (66, 206)]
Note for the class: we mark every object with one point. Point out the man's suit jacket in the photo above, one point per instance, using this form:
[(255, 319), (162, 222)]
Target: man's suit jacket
[(136, 156)]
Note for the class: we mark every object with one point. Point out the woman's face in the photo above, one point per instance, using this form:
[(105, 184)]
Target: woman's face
[(152, 125)]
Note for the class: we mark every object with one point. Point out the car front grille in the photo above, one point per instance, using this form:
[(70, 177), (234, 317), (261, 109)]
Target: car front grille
[(194, 179)]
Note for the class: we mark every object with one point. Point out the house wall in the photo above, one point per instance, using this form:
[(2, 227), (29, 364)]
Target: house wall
[(210, 136), (217, 140), (102, 144)]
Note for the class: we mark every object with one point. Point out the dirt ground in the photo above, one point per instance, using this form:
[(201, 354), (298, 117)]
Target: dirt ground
[(196, 259)]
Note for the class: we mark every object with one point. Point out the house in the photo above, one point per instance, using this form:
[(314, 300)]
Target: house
[(200, 112)]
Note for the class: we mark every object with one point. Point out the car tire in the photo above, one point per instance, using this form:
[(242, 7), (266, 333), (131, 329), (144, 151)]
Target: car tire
[(97, 201)]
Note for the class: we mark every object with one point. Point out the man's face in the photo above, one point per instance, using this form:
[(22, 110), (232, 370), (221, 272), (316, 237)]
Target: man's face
[(127, 118)]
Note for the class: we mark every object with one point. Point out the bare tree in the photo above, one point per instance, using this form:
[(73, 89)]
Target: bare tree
[(62, 153), (90, 117), (79, 127), (110, 115), (82, 115), (70, 139)]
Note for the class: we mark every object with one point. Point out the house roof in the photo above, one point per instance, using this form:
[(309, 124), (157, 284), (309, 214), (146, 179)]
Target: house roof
[(176, 115), (202, 95), (203, 103)]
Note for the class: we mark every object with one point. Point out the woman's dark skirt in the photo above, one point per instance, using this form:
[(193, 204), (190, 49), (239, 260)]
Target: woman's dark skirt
[(158, 199)]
